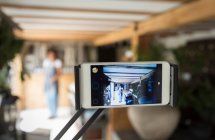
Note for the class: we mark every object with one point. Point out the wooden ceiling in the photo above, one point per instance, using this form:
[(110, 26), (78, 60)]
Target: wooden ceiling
[(85, 20), (50, 19)]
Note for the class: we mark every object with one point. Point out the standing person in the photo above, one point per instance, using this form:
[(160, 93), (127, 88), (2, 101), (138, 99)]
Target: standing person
[(120, 93), (52, 70)]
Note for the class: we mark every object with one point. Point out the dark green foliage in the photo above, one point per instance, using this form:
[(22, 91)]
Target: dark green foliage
[(198, 93), (153, 53), (9, 45), (196, 59), (3, 77)]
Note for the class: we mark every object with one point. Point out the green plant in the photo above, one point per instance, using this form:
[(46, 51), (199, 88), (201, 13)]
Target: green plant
[(9, 44), (153, 53), (9, 47), (3, 78), (197, 92)]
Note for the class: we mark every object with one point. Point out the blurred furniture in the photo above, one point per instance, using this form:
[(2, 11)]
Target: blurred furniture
[(8, 114), (154, 122), (129, 134), (33, 87), (40, 126), (117, 121), (97, 130)]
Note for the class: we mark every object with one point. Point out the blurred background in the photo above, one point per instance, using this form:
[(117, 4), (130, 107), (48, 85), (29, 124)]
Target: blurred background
[(178, 31)]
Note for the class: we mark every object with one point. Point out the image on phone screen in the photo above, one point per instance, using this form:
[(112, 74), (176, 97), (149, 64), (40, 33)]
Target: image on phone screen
[(126, 84)]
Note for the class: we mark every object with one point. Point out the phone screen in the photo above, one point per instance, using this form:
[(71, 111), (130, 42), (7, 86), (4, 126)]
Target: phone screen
[(126, 84)]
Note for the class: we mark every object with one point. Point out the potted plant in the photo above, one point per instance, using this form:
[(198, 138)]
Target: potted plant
[(9, 47), (4, 88), (9, 44), (158, 122)]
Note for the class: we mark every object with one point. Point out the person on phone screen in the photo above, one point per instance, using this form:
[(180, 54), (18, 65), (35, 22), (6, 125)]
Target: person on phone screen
[(52, 70)]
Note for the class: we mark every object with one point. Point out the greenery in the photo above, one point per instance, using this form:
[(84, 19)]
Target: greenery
[(3, 78), (197, 92), (9, 47), (153, 53)]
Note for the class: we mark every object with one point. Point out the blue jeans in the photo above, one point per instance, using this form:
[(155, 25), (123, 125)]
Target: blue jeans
[(52, 100)]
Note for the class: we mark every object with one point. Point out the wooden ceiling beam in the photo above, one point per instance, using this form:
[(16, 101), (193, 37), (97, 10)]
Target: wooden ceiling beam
[(181, 16), (37, 36), (188, 13), (115, 36)]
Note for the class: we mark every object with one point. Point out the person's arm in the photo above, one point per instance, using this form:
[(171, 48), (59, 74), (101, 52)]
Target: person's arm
[(58, 67), (57, 74), (44, 66)]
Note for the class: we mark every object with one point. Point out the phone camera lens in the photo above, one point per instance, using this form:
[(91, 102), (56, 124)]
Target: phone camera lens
[(95, 70)]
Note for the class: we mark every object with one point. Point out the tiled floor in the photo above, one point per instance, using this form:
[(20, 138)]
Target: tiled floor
[(33, 121)]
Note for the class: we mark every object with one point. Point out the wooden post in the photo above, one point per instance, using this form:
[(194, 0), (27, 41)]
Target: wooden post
[(144, 43), (134, 47), (118, 121)]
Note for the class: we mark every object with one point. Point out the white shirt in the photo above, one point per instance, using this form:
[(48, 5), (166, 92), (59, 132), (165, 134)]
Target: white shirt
[(56, 64), (50, 68)]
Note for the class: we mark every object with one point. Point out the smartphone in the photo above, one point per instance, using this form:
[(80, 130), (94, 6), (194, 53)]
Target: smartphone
[(109, 85)]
